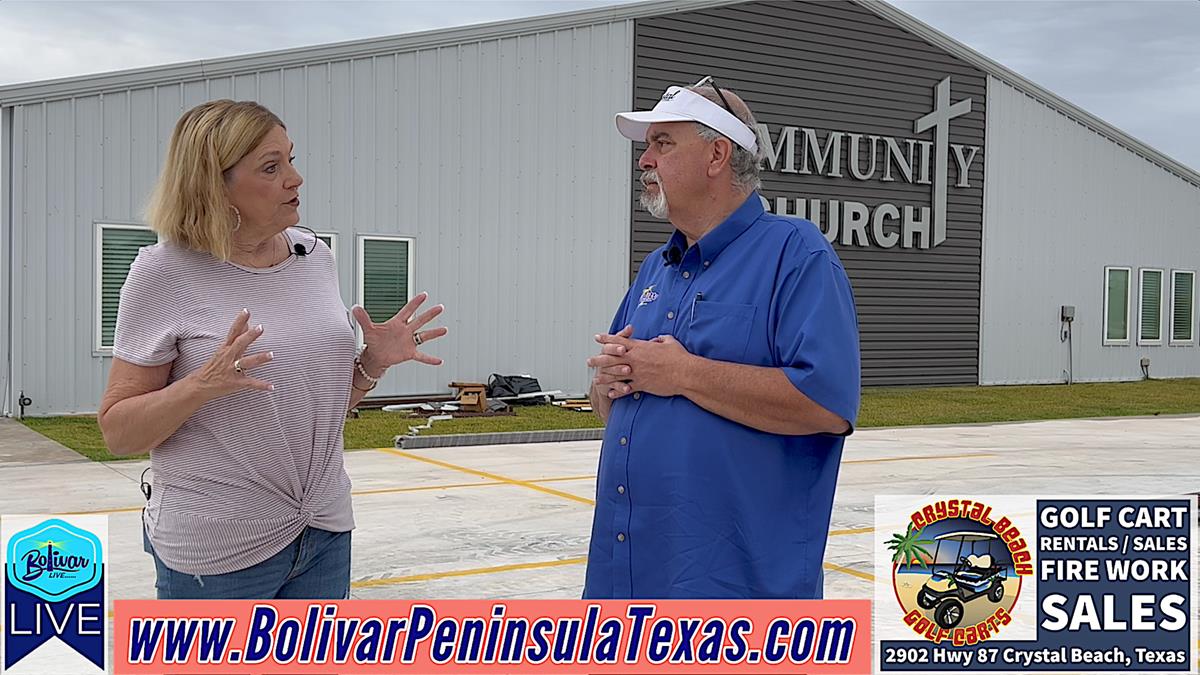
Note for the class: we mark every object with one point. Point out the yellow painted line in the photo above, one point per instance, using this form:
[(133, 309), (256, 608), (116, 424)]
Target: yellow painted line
[(424, 488), (449, 486), (916, 458), (830, 566), (852, 572), (497, 479), (413, 578), (491, 476), (371, 583), (100, 512), (856, 530), (357, 493), (564, 479)]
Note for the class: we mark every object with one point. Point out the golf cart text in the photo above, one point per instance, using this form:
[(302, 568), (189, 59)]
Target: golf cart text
[(1117, 569), (1128, 517), (980, 513), (1141, 613), (966, 635)]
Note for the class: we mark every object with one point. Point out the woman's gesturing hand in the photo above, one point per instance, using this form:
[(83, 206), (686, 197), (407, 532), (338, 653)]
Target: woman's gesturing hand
[(399, 338), (228, 370)]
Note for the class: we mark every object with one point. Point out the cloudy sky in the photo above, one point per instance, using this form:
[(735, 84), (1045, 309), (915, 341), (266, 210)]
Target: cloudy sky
[(1134, 63)]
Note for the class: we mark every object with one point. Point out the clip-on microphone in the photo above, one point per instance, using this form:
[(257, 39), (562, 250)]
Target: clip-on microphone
[(145, 487), (298, 248), (672, 256)]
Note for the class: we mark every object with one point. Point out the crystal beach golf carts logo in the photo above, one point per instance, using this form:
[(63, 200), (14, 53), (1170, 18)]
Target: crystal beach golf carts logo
[(957, 570)]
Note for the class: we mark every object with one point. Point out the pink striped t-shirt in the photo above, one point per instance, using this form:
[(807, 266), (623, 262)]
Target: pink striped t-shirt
[(243, 476)]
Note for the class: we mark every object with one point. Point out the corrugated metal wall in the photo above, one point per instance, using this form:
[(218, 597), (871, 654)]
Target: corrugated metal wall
[(6, 405), (487, 153), (837, 66), (1062, 203)]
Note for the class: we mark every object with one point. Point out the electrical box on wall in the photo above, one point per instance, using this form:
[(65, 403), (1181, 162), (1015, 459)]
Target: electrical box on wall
[(1068, 312)]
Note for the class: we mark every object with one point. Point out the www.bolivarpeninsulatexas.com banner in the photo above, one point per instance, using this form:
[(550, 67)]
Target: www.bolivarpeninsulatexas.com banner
[(489, 636)]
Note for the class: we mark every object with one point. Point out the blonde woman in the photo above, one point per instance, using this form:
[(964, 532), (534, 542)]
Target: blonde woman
[(234, 364)]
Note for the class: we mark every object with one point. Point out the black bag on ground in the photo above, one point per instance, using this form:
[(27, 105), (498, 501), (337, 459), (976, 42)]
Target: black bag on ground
[(501, 386)]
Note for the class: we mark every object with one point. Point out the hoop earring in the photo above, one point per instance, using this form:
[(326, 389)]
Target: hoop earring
[(239, 218)]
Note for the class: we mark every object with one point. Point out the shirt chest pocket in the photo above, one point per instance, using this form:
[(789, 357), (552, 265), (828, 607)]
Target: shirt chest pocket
[(719, 330)]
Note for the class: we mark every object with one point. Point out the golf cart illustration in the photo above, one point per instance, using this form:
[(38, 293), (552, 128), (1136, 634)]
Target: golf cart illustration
[(973, 576)]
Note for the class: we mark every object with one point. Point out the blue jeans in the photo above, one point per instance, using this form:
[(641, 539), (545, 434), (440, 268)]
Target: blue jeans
[(316, 566)]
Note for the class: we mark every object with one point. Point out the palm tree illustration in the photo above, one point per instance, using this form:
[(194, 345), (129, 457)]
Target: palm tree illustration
[(909, 547)]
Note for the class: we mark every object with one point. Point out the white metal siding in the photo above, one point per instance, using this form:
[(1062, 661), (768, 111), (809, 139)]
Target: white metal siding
[(498, 156), (1062, 202), (6, 395)]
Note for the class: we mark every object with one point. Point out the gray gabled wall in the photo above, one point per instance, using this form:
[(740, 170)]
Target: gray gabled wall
[(838, 67)]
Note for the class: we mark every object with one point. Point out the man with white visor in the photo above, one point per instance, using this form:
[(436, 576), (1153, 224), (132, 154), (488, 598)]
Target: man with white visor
[(728, 379)]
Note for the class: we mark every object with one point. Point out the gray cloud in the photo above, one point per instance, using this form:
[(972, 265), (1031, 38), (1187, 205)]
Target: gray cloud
[(44, 40), (1134, 64)]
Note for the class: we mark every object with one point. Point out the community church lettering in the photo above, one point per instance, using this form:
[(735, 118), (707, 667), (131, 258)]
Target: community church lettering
[(869, 157)]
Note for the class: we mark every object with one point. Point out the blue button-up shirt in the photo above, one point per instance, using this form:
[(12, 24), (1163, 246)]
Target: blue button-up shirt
[(693, 505)]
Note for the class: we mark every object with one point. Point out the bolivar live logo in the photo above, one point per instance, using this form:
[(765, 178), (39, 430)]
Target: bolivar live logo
[(957, 571), (53, 592)]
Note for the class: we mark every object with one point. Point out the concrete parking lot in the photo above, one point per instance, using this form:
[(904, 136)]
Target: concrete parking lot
[(513, 521)]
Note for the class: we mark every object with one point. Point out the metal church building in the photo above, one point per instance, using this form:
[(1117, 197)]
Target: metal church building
[(972, 208)]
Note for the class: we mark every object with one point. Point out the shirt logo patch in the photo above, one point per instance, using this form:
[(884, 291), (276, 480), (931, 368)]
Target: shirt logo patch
[(648, 296)]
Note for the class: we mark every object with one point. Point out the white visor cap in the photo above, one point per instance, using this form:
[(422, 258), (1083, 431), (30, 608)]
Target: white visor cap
[(683, 105)]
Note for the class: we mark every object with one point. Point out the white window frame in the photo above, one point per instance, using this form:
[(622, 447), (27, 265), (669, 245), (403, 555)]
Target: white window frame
[(333, 240), (1162, 278), (360, 267), (1128, 307), (1171, 322), (99, 349)]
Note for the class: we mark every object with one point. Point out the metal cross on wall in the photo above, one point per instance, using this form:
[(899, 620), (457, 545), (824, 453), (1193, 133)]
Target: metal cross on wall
[(940, 118)]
